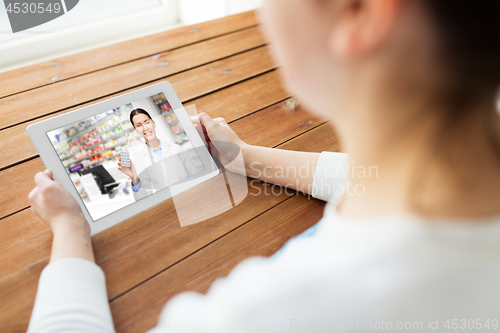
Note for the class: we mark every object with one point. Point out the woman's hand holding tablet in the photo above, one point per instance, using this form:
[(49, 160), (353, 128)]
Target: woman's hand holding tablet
[(84, 149)]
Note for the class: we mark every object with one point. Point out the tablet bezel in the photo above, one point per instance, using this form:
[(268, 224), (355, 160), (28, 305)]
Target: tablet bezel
[(38, 135)]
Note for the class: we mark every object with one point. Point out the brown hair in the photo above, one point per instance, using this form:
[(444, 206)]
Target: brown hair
[(468, 31), (137, 111)]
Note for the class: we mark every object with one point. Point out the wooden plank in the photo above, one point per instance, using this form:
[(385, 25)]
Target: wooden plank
[(49, 99), (23, 252), (18, 289), (268, 127), (139, 309), (243, 98), (33, 250), (15, 185), (24, 241), (231, 103), (276, 124), (56, 70), (17, 293), (134, 250), (22, 183), (222, 73), (322, 138), (145, 245), (153, 241)]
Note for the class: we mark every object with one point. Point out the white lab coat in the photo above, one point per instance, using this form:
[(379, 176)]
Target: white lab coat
[(155, 173)]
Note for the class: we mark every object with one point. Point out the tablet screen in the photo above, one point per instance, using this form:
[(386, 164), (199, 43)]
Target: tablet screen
[(147, 137)]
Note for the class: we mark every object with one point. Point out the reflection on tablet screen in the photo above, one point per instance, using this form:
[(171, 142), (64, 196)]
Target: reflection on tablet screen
[(148, 139)]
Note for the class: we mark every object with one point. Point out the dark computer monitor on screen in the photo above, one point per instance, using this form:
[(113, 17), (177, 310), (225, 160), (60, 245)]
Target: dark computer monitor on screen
[(102, 178)]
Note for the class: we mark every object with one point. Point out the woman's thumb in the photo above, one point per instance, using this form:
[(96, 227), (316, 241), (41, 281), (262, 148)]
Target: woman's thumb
[(207, 121), (49, 173)]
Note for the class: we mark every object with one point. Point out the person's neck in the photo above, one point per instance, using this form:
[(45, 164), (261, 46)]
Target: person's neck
[(153, 144), (407, 171)]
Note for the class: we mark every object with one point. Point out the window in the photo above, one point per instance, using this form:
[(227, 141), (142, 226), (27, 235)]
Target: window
[(92, 23), (95, 23), (195, 11)]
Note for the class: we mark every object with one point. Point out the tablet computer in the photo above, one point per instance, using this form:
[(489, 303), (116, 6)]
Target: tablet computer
[(124, 155)]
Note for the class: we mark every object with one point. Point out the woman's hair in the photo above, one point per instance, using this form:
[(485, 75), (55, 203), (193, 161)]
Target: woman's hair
[(135, 112), (468, 32)]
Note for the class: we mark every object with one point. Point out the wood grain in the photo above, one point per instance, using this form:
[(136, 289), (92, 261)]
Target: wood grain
[(17, 293), (15, 185), (34, 247), (322, 138), (48, 99), (224, 69), (28, 250), (17, 182), (276, 124), (231, 103), (60, 69), (132, 251), (243, 98), (222, 73), (268, 127), (139, 309)]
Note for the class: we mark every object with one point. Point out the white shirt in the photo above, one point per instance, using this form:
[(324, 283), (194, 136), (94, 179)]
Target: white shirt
[(158, 151), (342, 275)]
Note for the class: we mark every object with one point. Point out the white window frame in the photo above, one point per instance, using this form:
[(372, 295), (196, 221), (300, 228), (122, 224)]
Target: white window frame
[(43, 47)]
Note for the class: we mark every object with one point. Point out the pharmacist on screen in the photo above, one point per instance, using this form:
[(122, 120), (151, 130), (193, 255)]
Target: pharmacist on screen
[(158, 164)]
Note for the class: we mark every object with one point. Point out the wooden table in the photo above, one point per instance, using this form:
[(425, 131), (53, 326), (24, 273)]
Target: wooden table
[(223, 67)]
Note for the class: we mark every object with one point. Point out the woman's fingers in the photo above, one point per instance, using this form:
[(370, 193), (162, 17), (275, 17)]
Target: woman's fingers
[(33, 193), (195, 120), (207, 121), (221, 120), (49, 174), (42, 179)]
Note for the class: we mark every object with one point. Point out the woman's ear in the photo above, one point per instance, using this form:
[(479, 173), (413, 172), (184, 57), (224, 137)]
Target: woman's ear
[(361, 26)]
